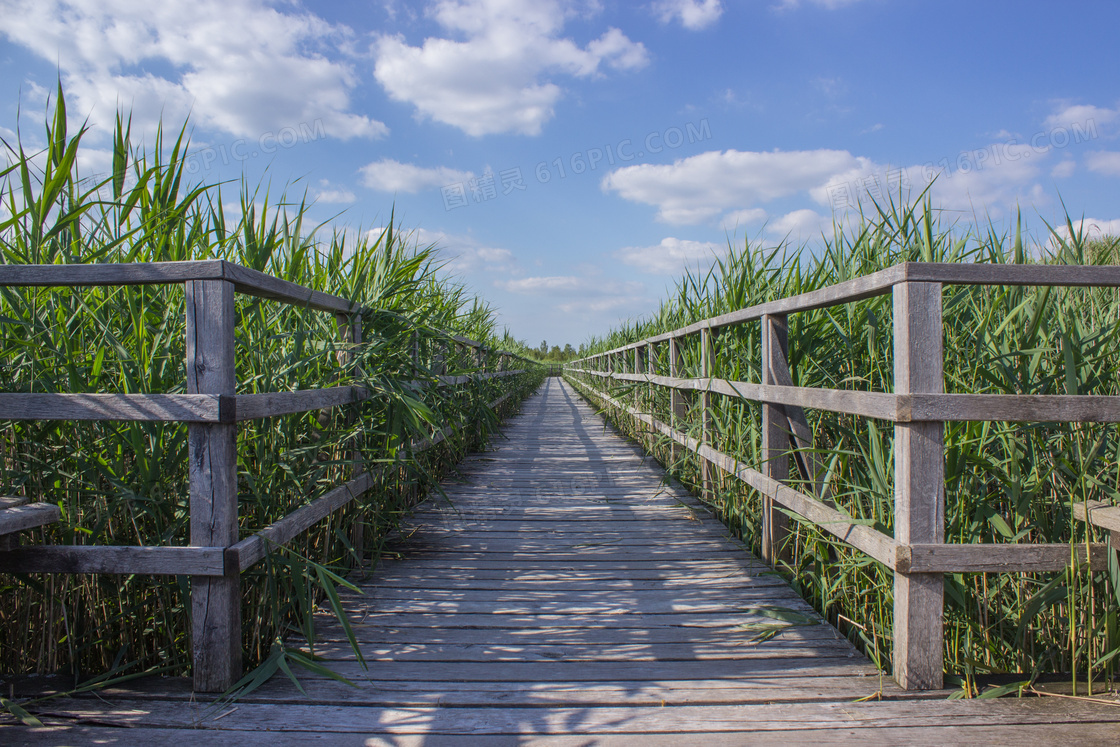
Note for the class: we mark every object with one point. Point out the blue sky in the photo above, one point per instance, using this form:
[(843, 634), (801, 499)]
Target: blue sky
[(572, 158)]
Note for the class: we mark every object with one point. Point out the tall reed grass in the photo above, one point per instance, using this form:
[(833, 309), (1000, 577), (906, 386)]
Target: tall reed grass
[(126, 483), (1005, 482)]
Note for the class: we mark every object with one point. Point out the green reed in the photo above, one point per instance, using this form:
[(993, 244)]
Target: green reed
[(1005, 482), (125, 483)]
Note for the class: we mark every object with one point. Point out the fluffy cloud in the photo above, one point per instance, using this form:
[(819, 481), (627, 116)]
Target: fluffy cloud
[(331, 194), (1086, 118), (737, 218), (1089, 228), (671, 256), (696, 189), (1064, 169), (237, 66), (585, 297), (1104, 162), (693, 14), (388, 175), (497, 77), (827, 4), (800, 226), (462, 255)]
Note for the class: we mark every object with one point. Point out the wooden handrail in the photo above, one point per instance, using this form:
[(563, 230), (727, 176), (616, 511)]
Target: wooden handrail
[(918, 407), (211, 408)]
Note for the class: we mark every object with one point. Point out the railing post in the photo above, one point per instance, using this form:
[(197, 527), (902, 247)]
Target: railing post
[(707, 471), (919, 492), (775, 437), (212, 469), (639, 368), (678, 405), (350, 332), (651, 398)]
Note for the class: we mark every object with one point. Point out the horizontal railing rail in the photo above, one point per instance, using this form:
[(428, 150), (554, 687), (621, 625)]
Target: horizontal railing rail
[(918, 407), (211, 408)]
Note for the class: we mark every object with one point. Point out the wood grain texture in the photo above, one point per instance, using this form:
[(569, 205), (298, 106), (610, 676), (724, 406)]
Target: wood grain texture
[(919, 487), (212, 471), (162, 561), (16, 518), (1098, 513), (775, 437), (191, 408)]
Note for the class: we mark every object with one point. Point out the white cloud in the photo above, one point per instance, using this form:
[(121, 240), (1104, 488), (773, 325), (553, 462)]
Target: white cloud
[(499, 77), (827, 4), (1086, 118), (1089, 228), (671, 256), (329, 193), (698, 188), (1104, 162), (388, 175), (583, 296), (1064, 169), (737, 218), (238, 66), (800, 225), (463, 255), (693, 14)]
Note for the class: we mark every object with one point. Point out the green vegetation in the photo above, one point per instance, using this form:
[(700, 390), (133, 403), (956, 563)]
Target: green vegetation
[(1005, 482), (126, 483)]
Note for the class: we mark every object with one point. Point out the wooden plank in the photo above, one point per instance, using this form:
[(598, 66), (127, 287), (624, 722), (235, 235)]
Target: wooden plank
[(11, 501), (867, 404), (18, 518), (162, 561), (1062, 408), (1098, 513), (812, 721), (252, 550), (192, 408), (919, 485), (997, 558), (251, 406), (848, 734), (964, 273), (109, 273), (212, 470), (775, 438), (262, 285), (707, 421)]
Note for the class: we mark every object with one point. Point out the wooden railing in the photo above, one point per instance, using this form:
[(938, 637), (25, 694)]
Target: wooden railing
[(211, 407), (919, 408)]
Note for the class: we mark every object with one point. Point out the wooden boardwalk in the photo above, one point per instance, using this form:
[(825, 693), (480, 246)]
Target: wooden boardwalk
[(565, 593)]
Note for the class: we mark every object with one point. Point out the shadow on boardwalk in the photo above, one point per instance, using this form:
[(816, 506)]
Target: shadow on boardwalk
[(564, 592)]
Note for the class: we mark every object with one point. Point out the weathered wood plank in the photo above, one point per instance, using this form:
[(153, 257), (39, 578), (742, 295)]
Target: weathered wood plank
[(1001, 558), (253, 549), (191, 408), (251, 406), (919, 487), (1098, 513), (775, 438), (812, 721), (212, 471), (163, 561), (18, 518)]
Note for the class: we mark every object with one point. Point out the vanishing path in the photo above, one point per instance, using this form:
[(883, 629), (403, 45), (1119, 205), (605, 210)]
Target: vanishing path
[(565, 591)]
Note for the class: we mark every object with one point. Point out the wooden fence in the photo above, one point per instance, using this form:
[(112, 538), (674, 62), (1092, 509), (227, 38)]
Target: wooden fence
[(211, 407), (919, 408)]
